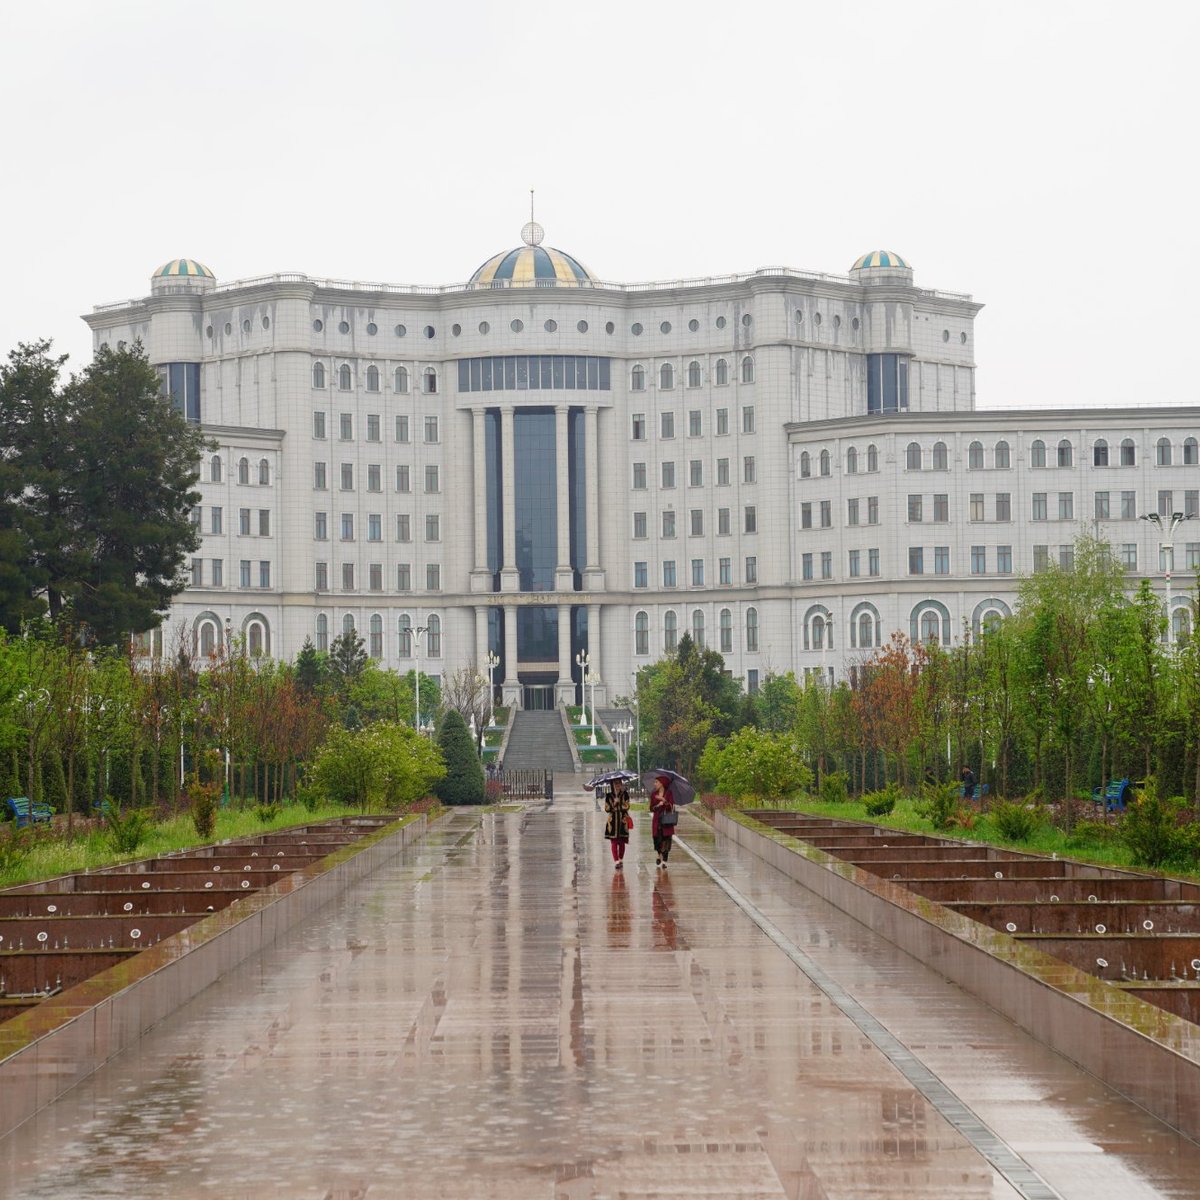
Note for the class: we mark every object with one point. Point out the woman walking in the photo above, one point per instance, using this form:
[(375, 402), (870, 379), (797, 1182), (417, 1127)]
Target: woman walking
[(617, 822), (663, 819)]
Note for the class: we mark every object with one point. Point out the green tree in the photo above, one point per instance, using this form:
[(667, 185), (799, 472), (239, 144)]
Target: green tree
[(777, 704), (347, 661), (310, 668), (383, 765), (463, 781), (754, 762)]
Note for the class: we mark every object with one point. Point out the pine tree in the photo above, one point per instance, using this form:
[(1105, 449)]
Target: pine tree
[(463, 782), (310, 668)]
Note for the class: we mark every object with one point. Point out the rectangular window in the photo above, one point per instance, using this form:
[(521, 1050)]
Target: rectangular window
[(346, 427), (1191, 556), (667, 425), (347, 527), (854, 563), (1129, 506), (977, 506), (1191, 502), (433, 527), (722, 522), (319, 426), (244, 522), (431, 480), (696, 473), (264, 522), (697, 572), (1166, 503), (218, 572), (216, 518), (722, 421), (375, 577), (1041, 557), (197, 572), (431, 430), (404, 479), (1039, 506), (1101, 506), (668, 524), (752, 568), (941, 508), (403, 527), (748, 418), (851, 512), (914, 509), (639, 524), (374, 477), (826, 564), (978, 560), (826, 514), (668, 474), (873, 562), (722, 472), (347, 477), (321, 577), (433, 581), (752, 681), (404, 577), (1003, 506), (916, 560), (641, 576), (669, 573), (751, 525), (1066, 506), (319, 483), (402, 434), (872, 510), (806, 515), (639, 476), (725, 571), (1129, 556), (1066, 557), (697, 522), (374, 527), (941, 560), (806, 566), (1004, 560), (373, 430), (639, 427), (695, 423), (244, 572)]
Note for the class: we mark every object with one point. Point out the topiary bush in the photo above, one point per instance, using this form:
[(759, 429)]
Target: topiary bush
[(463, 781), (880, 804), (1016, 822), (126, 831), (939, 804), (1158, 831), (202, 799)]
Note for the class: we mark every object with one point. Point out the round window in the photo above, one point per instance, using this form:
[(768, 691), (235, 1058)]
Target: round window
[(609, 327), (517, 325), (429, 331), (945, 335), (246, 325), (747, 319), (962, 337), (209, 331), (456, 330), (720, 322), (228, 327), (837, 322), (343, 327), (318, 325), (665, 327), (484, 327), (551, 325), (582, 327), (266, 322), (636, 329), (372, 328), (400, 330), (816, 318), (799, 316), (694, 325), (854, 324)]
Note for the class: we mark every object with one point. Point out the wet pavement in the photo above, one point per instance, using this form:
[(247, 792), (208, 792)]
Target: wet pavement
[(499, 1014)]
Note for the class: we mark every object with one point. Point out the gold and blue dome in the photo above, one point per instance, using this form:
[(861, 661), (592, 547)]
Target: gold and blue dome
[(183, 268), (881, 258), (532, 265)]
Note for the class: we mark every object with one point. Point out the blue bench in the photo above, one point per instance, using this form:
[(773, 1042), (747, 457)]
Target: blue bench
[(977, 792), (25, 812), (1114, 796)]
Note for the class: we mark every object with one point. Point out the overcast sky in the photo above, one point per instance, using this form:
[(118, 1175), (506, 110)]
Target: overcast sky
[(1040, 156)]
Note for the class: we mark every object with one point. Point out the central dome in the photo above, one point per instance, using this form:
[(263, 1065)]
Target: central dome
[(532, 265)]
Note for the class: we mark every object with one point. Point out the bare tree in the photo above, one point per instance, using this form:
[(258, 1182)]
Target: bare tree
[(466, 691)]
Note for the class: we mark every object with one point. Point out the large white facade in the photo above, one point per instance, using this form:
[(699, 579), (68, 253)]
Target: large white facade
[(536, 462)]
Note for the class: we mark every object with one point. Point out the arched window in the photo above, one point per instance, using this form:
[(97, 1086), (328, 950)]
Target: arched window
[(726, 626), (929, 620), (1163, 452), (433, 637), (722, 372), (207, 636), (243, 470), (429, 380), (852, 461), (805, 464), (747, 369), (641, 633), (698, 628), (345, 378), (752, 630), (318, 375), (1066, 453), (1181, 625), (637, 379), (375, 645), (818, 632), (866, 630), (670, 632), (258, 636), (405, 636), (929, 626), (693, 374), (666, 377), (347, 625), (1100, 453), (975, 456), (1191, 452), (214, 468), (322, 633), (264, 472), (824, 462), (1003, 457), (939, 456), (912, 457), (372, 379), (872, 458), (400, 380), (1037, 453), (864, 626), (988, 614), (1128, 453)]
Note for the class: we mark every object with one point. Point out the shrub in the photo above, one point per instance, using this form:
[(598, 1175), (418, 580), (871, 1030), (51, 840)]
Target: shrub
[(939, 804), (267, 812), (202, 798), (14, 848), (463, 781), (1093, 834), (308, 797), (126, 831), (1157, 830), (880, 804), (1016, 822), (493, 791), (835, 787)]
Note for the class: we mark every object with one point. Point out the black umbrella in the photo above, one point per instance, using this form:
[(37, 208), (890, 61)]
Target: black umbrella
[(678, 788), (609, 777)]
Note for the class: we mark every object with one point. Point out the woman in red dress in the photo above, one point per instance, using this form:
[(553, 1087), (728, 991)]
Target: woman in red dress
[(662, 831)]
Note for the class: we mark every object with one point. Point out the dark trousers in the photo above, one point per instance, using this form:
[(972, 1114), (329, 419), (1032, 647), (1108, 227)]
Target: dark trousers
[(662, 845)]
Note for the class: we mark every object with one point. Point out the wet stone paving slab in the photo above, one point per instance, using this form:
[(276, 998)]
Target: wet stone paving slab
[(498, 1013)]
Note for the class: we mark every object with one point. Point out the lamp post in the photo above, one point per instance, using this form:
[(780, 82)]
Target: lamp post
[(1173, 521), (584, 662), (418, 632), (491, 662), (826, 644), (623, 730)]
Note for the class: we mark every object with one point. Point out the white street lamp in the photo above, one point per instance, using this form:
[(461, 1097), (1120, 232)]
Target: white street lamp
[(418, 633), (1173, 521), (492, 662), (584, 662)]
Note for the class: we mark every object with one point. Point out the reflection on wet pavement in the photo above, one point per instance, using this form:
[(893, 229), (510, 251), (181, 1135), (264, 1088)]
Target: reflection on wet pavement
[(499, 1013)]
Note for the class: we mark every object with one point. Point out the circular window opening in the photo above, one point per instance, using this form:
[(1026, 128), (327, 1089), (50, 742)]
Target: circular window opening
[(456, 330), (246, 325), (816, 318), (484, 327), (636, 329), (945, 335), (665, 327), (400, 330), (429, 331), (343, 327), (582, 327), (209, 331), (694, 325), (517, 325), (962, 337), (609, 327), (720, 322), (799, 317), (372, 328), (747, 319), (551, 325), (854, 324), (228, 327), (266, 322), (837, 322)]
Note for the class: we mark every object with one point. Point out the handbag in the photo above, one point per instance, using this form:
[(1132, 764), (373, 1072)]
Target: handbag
[(628, 822), (670, 816)]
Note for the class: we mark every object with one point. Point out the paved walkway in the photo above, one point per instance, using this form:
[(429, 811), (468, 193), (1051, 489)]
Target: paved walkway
[(498, 1014)]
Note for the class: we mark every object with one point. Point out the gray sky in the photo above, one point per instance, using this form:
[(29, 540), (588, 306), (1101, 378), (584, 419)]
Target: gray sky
[(1037, 155)]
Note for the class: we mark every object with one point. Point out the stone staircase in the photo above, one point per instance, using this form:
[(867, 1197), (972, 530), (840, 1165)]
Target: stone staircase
[(538, 742)]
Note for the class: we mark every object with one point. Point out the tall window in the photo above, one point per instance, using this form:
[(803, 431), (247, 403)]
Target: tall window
[(805, 464), (722, 372), (752, 630), (1191, 452), (887, 383), (406, 635), (1003, 456), (872, 458), (641, 633), (725, 625), (373, 386), (214, 468), (747, 369), (666, 377), (375, 642), (939, 456), (1037, 453), (912, 457), (670, 632), (1066, 453), (698, 628), (400, 380), (975, 456), (429, 382), (322, 634), (1100, 453), (345, 378), (637, 379), (1128, 453), (434, 637), (243, 470), (667, 424), (824, 462), (1163, 452), (318, 375), (693, 375), (852, 461)]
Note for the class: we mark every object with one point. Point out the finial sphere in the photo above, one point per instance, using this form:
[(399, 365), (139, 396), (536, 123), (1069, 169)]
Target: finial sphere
[(532, 233)]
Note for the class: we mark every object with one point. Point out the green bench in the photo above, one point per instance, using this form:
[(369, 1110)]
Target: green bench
[(26, 812)]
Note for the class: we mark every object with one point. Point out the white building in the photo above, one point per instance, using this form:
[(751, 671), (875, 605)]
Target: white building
[(788, 465)]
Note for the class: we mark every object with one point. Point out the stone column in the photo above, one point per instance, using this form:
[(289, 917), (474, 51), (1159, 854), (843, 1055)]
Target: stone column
[(564, 579), (481, 579), (481, 638), (564, 690), (593, 574), (511, 690), (509, 579), (594, 652)]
